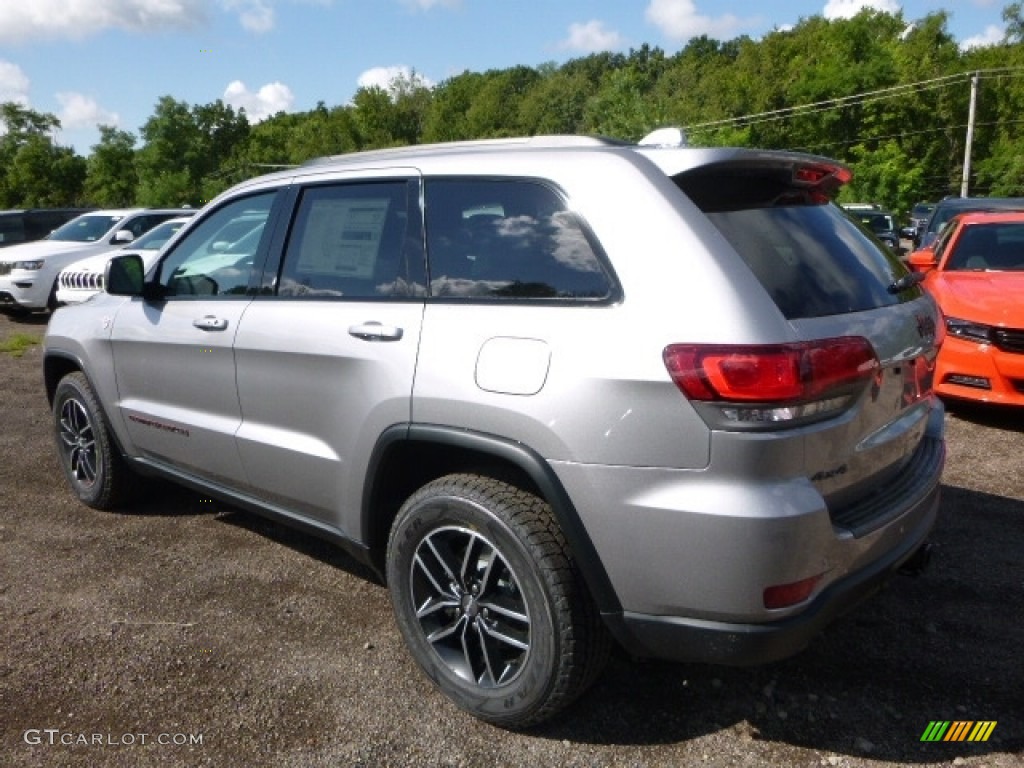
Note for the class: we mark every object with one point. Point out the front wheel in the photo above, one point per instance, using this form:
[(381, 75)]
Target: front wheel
[(92, 465), (489, 601)]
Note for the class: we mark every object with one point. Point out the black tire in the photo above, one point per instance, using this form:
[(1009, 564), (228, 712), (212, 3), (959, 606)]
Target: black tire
[(489, 600), (92, 464)]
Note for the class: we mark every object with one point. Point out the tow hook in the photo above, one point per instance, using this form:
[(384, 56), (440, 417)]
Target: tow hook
[(916, 564)]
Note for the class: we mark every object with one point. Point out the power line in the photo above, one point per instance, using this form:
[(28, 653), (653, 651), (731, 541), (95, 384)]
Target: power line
[(858, 99), (901, 134)]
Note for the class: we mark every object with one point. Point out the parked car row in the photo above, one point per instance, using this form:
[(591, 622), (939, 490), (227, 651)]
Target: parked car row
[(84, 279), (29, 271)]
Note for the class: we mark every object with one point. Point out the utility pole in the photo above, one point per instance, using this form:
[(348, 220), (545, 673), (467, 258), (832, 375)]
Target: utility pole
[(970, 136)]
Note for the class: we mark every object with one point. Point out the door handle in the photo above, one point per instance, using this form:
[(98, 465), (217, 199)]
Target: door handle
[(210, 323), (374, 331)]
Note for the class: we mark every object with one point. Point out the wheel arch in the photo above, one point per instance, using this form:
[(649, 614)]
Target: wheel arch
[(408, 456), (57, 365)]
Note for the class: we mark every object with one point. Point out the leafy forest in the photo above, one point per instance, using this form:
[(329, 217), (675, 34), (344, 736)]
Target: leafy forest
[(888, 97)]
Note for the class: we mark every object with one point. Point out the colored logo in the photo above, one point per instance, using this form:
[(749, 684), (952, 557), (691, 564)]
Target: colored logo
[(958, 730)]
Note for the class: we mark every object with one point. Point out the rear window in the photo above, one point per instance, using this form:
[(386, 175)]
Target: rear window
[(809, 256)]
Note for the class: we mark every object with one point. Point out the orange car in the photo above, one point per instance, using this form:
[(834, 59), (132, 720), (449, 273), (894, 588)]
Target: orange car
[(976, 273)]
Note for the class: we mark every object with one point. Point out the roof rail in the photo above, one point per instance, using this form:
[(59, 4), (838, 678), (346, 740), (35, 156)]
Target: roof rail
[(554, 141)]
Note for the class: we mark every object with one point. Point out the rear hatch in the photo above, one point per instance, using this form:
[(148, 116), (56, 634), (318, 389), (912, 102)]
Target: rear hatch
[(859, 392)]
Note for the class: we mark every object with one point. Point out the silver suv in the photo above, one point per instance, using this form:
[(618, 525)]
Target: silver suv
[(559, 392)]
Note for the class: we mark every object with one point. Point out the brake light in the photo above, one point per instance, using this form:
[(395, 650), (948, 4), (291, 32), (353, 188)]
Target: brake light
[(786, 381)]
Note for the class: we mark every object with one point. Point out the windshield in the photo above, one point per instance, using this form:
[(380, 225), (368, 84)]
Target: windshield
[(85, 229), (988, 247)]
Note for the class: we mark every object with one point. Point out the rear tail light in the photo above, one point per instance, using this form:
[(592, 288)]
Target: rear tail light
[(773, 383)]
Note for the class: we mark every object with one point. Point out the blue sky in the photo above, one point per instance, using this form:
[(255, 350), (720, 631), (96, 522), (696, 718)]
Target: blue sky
[(108, 61)]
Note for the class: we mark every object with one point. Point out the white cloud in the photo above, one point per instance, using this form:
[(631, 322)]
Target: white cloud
[(268, 100), (847, 9), (13, 83), (679, 20), (256, 16), (992, 35), (24, 20), (80, 111), (591, 38), (382, 77)]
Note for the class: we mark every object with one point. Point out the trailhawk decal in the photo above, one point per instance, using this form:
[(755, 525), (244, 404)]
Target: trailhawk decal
[(159, 425)]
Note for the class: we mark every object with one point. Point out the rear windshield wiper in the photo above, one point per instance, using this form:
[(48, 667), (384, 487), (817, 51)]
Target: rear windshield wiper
[(906, 282)]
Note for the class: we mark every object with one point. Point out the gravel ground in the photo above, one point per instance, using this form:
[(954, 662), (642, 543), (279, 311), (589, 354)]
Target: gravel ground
[(185, 634)]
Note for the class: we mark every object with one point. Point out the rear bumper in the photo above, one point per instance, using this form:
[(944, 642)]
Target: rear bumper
[(697, 640)]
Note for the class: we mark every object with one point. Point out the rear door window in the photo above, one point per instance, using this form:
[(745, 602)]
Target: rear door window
[(507, 240)]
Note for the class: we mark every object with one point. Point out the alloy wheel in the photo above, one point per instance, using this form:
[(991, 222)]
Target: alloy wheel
[(470, 606)]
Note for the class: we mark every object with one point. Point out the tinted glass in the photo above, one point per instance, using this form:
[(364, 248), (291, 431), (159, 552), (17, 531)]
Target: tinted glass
[(351, 241), (216, 258), (812, 259), (515, 239), (12, 229), (993, 247)]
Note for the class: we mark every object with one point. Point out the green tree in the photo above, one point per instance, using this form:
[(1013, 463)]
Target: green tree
[(21, 127), (185, 149), (556, 103), (626, 105), (112, 180), (42, 174), (449, 107), (495, 110)]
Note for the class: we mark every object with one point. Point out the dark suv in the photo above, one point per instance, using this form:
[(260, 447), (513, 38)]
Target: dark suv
[(881, 224), (951, 206), (24, 226)]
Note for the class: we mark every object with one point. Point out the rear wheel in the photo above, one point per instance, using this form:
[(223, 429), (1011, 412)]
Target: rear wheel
[(489, 601), (92, 464)]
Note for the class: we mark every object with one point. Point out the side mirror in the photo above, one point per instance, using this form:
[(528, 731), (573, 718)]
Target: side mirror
[(125, 275), (922, 261), (123, 236)]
